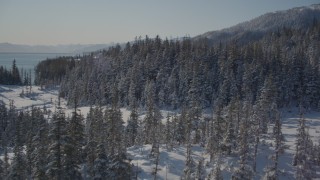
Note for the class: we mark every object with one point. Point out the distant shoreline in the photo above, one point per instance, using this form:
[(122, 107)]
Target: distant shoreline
[(35, 53)]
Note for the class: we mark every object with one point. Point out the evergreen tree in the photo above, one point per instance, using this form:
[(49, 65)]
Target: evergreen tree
[(57, 138), (6, 164), (101, 164), (17, 168), (189, 164), (169, 134), (267, 98), (119, 167), (73, 145), (132, 127), (229, 138), (180, 130), (91, 142), (40, 142), (15, 74), (302, 155), (215, 136), (255, 121), (114, 125), (245, 170), (272, 171)]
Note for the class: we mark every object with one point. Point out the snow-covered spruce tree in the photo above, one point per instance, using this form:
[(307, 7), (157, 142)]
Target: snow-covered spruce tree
[(228, 143), (73, 144), (101, 169), (57, 139), (93, 133), (152, 120), (244, 171), (180, 130), (89, 148), (195, 101), (210, 145), (301, 137), (302, 159), (32, 122), (6, 165), (132, 127), (169, 134), (18, 164), (15, 74), (28, 143), (189, 170), (195, 114), (10, 122), (114, 126), (272, 171), (132, 92), (149, 119), (3, 121), (215, 135), (267, 97), (120, 167), (256, 131), (312, 85), (140, 135), (203, 131), (40, 142)]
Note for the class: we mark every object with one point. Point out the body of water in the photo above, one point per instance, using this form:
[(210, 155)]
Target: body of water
[(26, 61)]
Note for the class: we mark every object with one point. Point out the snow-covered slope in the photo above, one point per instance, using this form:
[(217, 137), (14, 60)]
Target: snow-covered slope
[(37, 97), (172, 162), (295, 18)]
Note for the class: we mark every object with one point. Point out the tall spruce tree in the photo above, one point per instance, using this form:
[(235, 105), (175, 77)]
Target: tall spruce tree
[(73, 145), (18, 165), (57, 139), (40, 142)]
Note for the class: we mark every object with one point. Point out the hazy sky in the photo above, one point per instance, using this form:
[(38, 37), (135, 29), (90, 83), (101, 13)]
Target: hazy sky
[(103, 21)]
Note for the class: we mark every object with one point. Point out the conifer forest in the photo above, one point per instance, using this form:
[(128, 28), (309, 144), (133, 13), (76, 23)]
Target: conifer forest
[(222, 105)]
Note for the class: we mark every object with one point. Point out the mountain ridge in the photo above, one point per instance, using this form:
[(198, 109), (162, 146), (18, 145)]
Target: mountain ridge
[(296, 18)]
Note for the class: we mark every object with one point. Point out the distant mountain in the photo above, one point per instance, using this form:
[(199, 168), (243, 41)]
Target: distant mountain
[(72, 48), (254, 29)]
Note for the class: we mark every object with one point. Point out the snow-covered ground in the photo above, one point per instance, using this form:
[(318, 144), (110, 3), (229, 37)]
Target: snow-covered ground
[(171, 163), (47, 98), (37, 97)]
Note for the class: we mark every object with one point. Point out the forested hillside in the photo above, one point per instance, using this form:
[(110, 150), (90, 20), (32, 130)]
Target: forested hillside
[(214, 111), (282, 67), (51, 71)]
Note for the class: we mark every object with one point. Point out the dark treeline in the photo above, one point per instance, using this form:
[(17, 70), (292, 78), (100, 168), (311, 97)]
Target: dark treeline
[(284, 63), (51, 71), (10, 77)]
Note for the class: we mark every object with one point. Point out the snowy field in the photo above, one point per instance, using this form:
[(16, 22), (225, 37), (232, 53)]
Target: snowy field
[(171, 163)]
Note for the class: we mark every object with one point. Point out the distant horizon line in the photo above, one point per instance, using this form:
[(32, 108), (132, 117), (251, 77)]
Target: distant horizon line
[(68, 44), (107, 43), (36, 53)]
